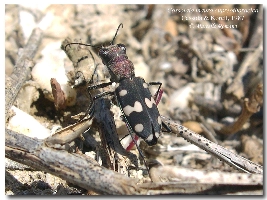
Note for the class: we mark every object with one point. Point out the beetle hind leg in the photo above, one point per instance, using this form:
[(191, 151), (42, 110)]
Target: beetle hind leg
[(165, 127)]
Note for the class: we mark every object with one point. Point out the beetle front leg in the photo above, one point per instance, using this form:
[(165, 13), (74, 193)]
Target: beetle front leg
[(101, 85), (90, 108)]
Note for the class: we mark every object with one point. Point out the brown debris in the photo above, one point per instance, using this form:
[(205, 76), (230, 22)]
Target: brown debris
[(58, 94), (251, 105)]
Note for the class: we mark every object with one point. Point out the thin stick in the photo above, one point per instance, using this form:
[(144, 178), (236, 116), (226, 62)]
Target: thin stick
[(220, 152), (22, 69)]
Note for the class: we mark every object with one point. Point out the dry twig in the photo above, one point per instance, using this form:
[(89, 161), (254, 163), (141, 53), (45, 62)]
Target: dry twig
[(220, 152), (251, 105), (236, 87), (78, 169), (82, 59), (159, 173), (22, 69)]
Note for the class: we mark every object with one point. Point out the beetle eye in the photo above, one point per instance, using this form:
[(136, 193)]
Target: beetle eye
[(102, 51), (122, 46)]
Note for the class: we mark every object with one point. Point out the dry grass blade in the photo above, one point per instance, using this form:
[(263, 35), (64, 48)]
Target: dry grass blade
[(69, 133)]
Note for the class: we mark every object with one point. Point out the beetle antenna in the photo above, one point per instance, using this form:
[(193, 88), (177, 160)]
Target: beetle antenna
[(121, 25), (82, 44)]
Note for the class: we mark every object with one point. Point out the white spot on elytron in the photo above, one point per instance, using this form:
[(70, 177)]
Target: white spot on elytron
[(149, 103), (123, 92), (117, 85), (159, 119), (156, 134), (149, 138), (136, 108), (139, 128), (145, 85)]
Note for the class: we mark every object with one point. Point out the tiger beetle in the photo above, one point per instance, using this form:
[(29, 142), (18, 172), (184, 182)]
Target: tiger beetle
[(134, 98)]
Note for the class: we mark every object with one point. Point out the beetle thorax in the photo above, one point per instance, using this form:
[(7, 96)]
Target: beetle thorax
[(115, 58)]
